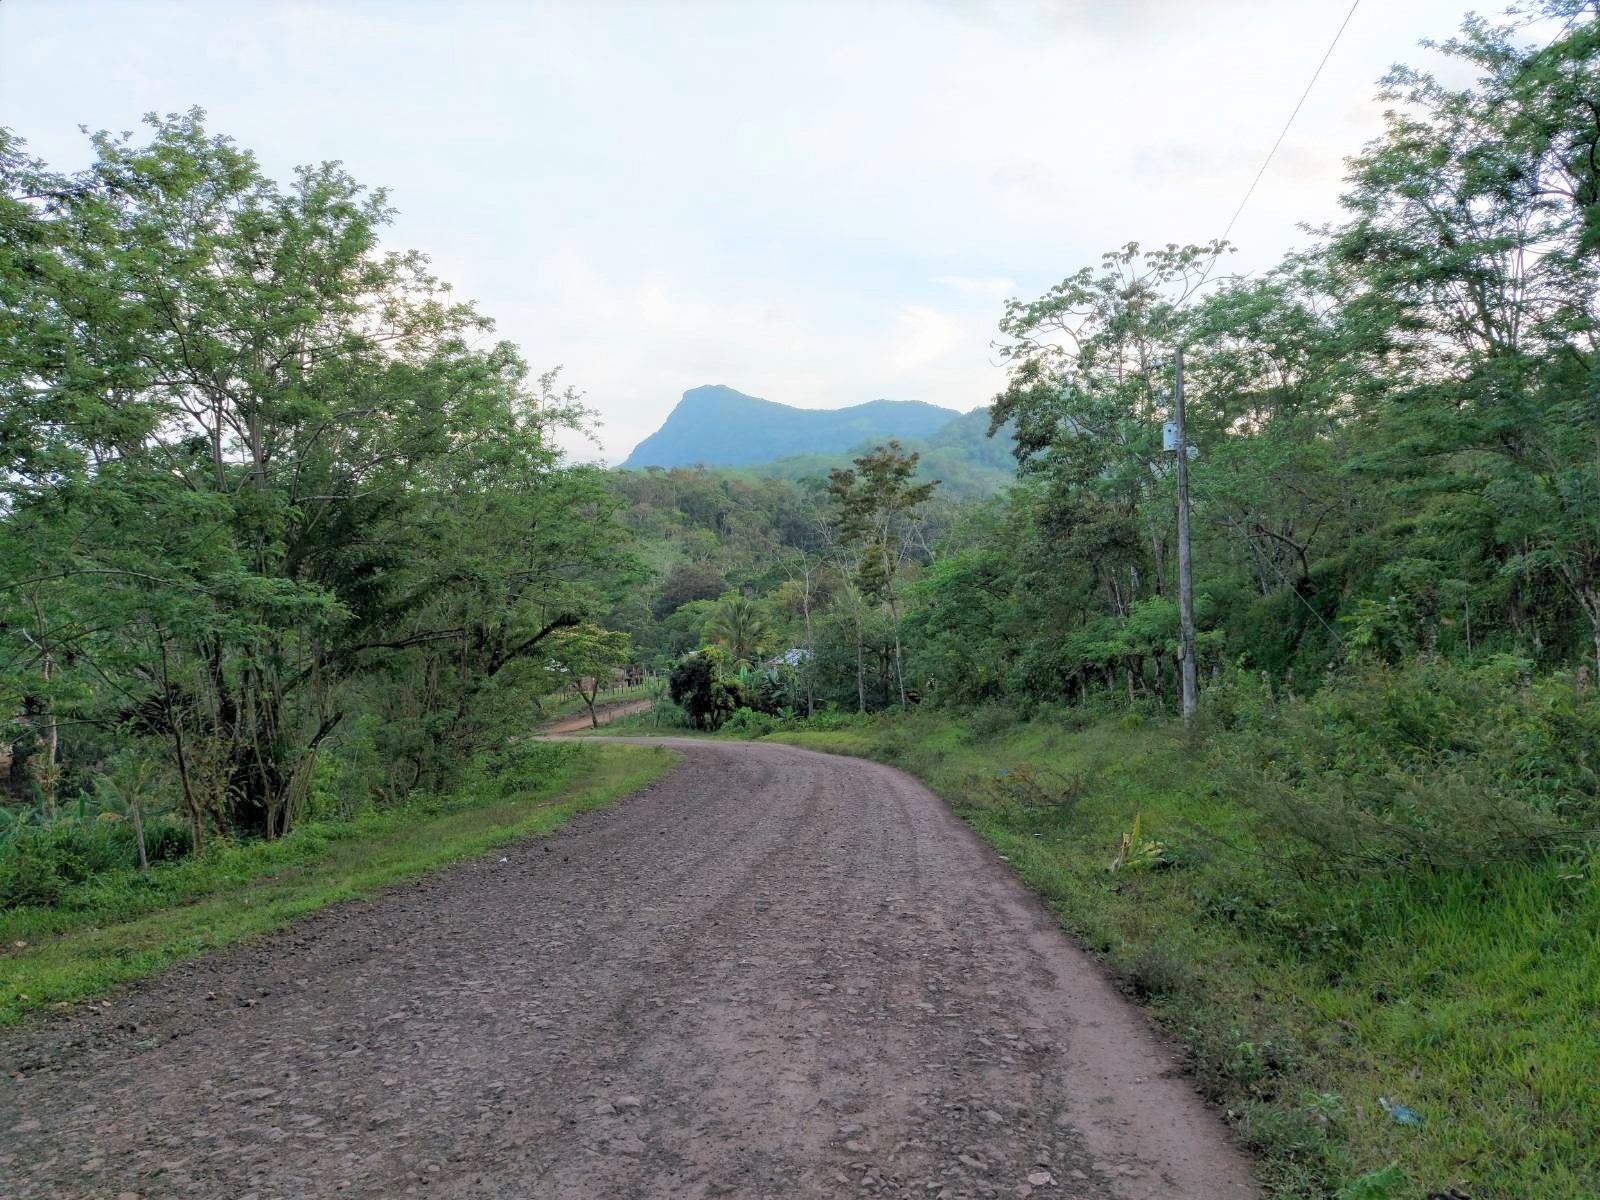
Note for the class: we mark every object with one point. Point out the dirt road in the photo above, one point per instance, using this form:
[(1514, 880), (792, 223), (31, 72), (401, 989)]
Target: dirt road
[(605, 714), (771, 974)]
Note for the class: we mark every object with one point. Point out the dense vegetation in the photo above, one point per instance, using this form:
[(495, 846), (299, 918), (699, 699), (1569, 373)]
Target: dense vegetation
[(1368, 874), (282, 543), (1396, 441), (281, 535)]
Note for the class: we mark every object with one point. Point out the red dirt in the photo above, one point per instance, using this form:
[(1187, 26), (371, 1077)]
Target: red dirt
[(773, 973)]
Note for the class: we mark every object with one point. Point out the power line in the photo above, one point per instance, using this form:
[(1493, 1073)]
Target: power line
[(1299, 104)]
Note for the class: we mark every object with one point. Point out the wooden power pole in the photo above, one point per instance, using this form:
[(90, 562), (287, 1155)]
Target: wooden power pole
[(1185, 565)]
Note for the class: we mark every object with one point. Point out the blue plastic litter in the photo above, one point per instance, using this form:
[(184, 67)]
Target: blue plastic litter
[(1399, 1113)]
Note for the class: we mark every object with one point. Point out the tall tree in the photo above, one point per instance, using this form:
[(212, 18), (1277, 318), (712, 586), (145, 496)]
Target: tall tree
[(737, 626), (263, 461), (878, 508)]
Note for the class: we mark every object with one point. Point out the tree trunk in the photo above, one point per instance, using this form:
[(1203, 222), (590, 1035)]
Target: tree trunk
[(137, 806), (811, 649), (861, 673), (899, 658), (191, 803)]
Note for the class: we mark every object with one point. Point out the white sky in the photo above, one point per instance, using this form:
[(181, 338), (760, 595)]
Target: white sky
[(817, 203)]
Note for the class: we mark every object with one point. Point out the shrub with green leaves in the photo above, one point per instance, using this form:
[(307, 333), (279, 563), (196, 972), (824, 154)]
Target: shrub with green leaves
[(1425, 766)]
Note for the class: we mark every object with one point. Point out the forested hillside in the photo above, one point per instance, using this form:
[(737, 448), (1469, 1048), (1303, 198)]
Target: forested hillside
[(719, 427), (725, 430)]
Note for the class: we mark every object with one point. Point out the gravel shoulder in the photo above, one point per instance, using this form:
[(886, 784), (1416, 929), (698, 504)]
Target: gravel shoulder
[(772, 973)]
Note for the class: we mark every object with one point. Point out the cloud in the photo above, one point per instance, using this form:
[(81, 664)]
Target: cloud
[(981, 286), (922, 336), (818, 203)]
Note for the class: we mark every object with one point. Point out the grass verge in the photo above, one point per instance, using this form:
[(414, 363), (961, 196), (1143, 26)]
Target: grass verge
[(1472, 997), (118, 928)]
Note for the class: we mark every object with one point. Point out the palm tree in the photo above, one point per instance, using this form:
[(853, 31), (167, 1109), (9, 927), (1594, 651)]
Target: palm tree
[(737, 626)]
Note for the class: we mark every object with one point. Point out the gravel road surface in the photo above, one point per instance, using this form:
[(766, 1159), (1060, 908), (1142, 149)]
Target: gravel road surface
[(773, 973)]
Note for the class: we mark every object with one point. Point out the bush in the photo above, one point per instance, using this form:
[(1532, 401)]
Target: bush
[(167, 839), (1427, 767), (503, 771), (28, 877), (38, 865), (667, 715), (990, 721), (830, 720), (701, 685), (746, 722), (1155, 972)]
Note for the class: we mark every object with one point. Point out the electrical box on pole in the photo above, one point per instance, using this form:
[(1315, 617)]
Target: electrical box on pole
[(1180, 447)]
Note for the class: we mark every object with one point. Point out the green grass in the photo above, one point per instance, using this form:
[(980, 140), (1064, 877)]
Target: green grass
[(118, 928), (1472, 997)]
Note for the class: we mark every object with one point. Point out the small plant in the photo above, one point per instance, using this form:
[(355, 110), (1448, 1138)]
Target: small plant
[(1026, 787), (990, 721), (1375, 1185), (1154, 973), (1138, 852), (748, 723), (1326, 1107)]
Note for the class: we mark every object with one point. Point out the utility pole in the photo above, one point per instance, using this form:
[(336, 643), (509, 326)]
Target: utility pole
[(1185, 567)]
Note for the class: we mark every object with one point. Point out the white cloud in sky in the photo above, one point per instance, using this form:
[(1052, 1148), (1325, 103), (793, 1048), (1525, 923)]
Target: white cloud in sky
[(820, 203), (986, 287)]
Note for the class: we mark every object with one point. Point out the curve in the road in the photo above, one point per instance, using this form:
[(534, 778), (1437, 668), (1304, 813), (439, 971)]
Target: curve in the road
[(773, 973)]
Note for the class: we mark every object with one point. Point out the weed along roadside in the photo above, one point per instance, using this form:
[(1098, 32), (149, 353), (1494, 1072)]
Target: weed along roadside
[(117, 926), (1369, 1033)]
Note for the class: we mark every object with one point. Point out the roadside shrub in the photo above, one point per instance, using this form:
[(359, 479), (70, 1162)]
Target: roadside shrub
[(665, 714), (28, 877), (512, 767), (701, 685), (830, 720), (1426, 767), (38, 865), (746, 722), (1032, 787), (1154, 973), (1237, 699), (167, 839), (990, 721)]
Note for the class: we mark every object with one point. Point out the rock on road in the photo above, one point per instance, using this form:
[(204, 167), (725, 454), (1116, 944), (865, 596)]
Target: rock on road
[(772, 973)]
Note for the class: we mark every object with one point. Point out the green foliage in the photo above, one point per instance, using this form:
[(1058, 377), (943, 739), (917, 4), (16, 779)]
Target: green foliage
[(1383, 1184), (262, 479), (40, 867), (1430, 767), (737, 627), (703, 688), (749, 723)]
